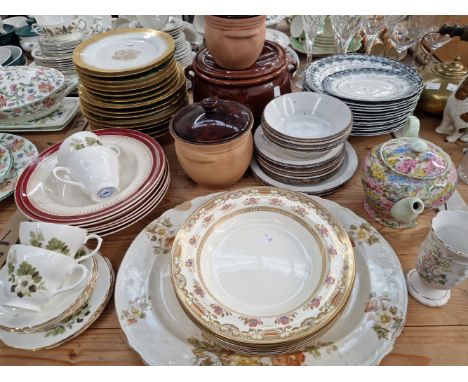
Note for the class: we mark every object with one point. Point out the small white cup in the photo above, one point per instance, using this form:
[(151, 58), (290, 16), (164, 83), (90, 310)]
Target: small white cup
[(36, 275), (77, 142), (61, 238), (95, 170)]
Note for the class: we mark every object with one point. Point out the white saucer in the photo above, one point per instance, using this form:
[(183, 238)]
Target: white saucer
[(74, 325)]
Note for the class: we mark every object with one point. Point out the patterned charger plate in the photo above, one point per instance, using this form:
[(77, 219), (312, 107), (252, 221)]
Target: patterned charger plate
[(157, 328)]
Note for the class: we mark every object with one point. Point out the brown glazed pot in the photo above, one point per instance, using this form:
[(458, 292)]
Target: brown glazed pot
[(267, 78), (213, 141), (235, 43)]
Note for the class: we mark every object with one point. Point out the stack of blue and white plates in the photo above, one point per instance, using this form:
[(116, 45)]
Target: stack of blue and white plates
[(381, 93)]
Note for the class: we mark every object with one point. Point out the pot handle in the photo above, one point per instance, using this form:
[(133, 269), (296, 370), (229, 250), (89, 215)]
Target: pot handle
[(189, 73), (70, 85), (292, 66)]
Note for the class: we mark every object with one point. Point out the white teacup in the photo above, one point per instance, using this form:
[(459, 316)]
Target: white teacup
[(95, 170), (35, 275), (61, 238), (442, 261), (77, 142), (59, 25)]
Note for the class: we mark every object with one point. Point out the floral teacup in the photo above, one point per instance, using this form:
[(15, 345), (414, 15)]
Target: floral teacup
[(36, 275), (61, 238), (443, 259)]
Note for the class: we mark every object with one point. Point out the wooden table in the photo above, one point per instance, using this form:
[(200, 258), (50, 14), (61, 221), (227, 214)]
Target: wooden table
[(432, 336)]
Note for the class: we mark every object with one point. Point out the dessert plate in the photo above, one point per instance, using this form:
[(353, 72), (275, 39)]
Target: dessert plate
[(5, 162), (73, 325), (55, 121), (329, 185), (371, 85), (158, 329), (56, 310), (262, 266), (22, 153)]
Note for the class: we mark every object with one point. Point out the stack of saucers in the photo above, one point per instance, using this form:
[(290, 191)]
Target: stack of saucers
[(301, 143), (143, 181), (381, 93), (183, 49), (291, 248), (130, 79)]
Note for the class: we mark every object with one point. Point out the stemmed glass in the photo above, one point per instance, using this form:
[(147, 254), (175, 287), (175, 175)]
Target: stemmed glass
[(311, 25), (373, 25), (407, 32), (345, 28), (433, 39)]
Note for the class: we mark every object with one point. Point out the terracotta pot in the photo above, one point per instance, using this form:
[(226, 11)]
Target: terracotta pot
[(235, 43), (213, 141), (254, 87)]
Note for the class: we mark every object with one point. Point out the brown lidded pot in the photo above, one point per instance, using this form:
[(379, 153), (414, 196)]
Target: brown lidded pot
[(254, 87), (235, 42), (213, 141)]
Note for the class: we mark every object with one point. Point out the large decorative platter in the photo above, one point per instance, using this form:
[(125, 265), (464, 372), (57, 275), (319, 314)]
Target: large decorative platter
[(158, 329), (262, 266), (123, 51)]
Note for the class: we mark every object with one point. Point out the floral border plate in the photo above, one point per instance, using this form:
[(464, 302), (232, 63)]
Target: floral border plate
[(22, 152), (158, 329), (55, 121), (73, 325), (5, 162)]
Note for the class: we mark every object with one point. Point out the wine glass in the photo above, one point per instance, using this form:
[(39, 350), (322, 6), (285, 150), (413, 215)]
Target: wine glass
[(373, 25), (433, 39), (311, 25), (407, 32), (345, 28)]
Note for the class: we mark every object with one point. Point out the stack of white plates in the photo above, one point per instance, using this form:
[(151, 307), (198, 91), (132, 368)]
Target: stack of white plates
[(183, 49), (144, 180), (56, 52), (381, 93), (301, 143)]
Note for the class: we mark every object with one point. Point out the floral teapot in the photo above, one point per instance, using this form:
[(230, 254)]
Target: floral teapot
[(403, 176)]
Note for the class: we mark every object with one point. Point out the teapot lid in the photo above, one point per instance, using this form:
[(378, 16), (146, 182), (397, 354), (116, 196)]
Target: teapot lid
[(415, 158), (212, 120), (452, 69)]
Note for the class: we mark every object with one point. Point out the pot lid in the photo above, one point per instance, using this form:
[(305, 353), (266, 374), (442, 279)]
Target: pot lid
[(21, 85), (212, 120), (27, 31), (451, 69), (272, 58), (415, 158)]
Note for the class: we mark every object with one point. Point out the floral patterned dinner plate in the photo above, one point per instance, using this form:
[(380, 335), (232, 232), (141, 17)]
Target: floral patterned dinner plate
[(22, 153), (158, 329), (5, 162), (74, 325)]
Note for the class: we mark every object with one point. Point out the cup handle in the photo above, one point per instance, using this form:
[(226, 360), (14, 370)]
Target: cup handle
[(81, 24), (98, 246), (73, 286), (36, 28), (67, 181), (114, 148)]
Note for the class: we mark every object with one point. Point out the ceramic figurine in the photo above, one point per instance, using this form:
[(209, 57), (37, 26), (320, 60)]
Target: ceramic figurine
[(404, 176), (455, 120), (443, 259)]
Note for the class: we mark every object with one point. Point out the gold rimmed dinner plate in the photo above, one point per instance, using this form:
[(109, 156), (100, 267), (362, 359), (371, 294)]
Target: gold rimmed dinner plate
[(122, 52), (133, 84), (72, 308)]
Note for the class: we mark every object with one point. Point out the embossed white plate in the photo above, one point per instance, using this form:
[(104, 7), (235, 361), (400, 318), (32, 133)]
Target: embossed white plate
[(157, 328)]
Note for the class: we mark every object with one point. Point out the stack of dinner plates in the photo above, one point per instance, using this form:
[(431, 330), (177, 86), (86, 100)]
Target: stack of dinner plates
[(381, 93), (130, 79), (292, 248), (144, 180), (302, 143), (183, 50)]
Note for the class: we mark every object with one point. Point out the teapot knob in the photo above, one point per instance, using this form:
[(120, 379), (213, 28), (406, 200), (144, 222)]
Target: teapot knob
[(419, 145)]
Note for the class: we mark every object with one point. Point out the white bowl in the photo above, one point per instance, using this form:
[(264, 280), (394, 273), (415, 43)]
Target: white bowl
[(308, 116)]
